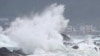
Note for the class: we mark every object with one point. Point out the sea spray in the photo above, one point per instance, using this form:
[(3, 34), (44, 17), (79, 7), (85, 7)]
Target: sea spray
[(40, 34), (40, 31)]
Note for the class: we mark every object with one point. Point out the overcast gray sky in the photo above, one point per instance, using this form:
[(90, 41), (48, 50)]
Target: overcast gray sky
[(78, 11)]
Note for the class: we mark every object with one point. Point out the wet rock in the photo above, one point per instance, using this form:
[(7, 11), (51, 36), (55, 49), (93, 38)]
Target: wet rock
[(75, 47), (5, 52), (65, 37)]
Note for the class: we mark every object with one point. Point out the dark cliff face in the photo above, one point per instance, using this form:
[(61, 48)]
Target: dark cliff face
[(5, 52)]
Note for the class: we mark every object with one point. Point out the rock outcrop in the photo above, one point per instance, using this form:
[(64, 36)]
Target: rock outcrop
[(5, 52)]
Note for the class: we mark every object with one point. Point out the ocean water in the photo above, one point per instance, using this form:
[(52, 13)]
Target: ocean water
[(40, 34)]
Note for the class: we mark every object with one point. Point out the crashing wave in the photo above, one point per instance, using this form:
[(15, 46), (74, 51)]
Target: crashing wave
[(42, 35)]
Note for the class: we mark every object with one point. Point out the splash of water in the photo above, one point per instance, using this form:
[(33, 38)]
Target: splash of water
[(41, 34), (40, 31)]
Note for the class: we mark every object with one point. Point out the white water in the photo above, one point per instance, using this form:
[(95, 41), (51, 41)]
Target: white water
[(40, 34), (39, 31)]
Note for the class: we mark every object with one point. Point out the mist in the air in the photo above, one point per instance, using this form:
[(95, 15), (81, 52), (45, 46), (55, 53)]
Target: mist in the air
[(41, 30)]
